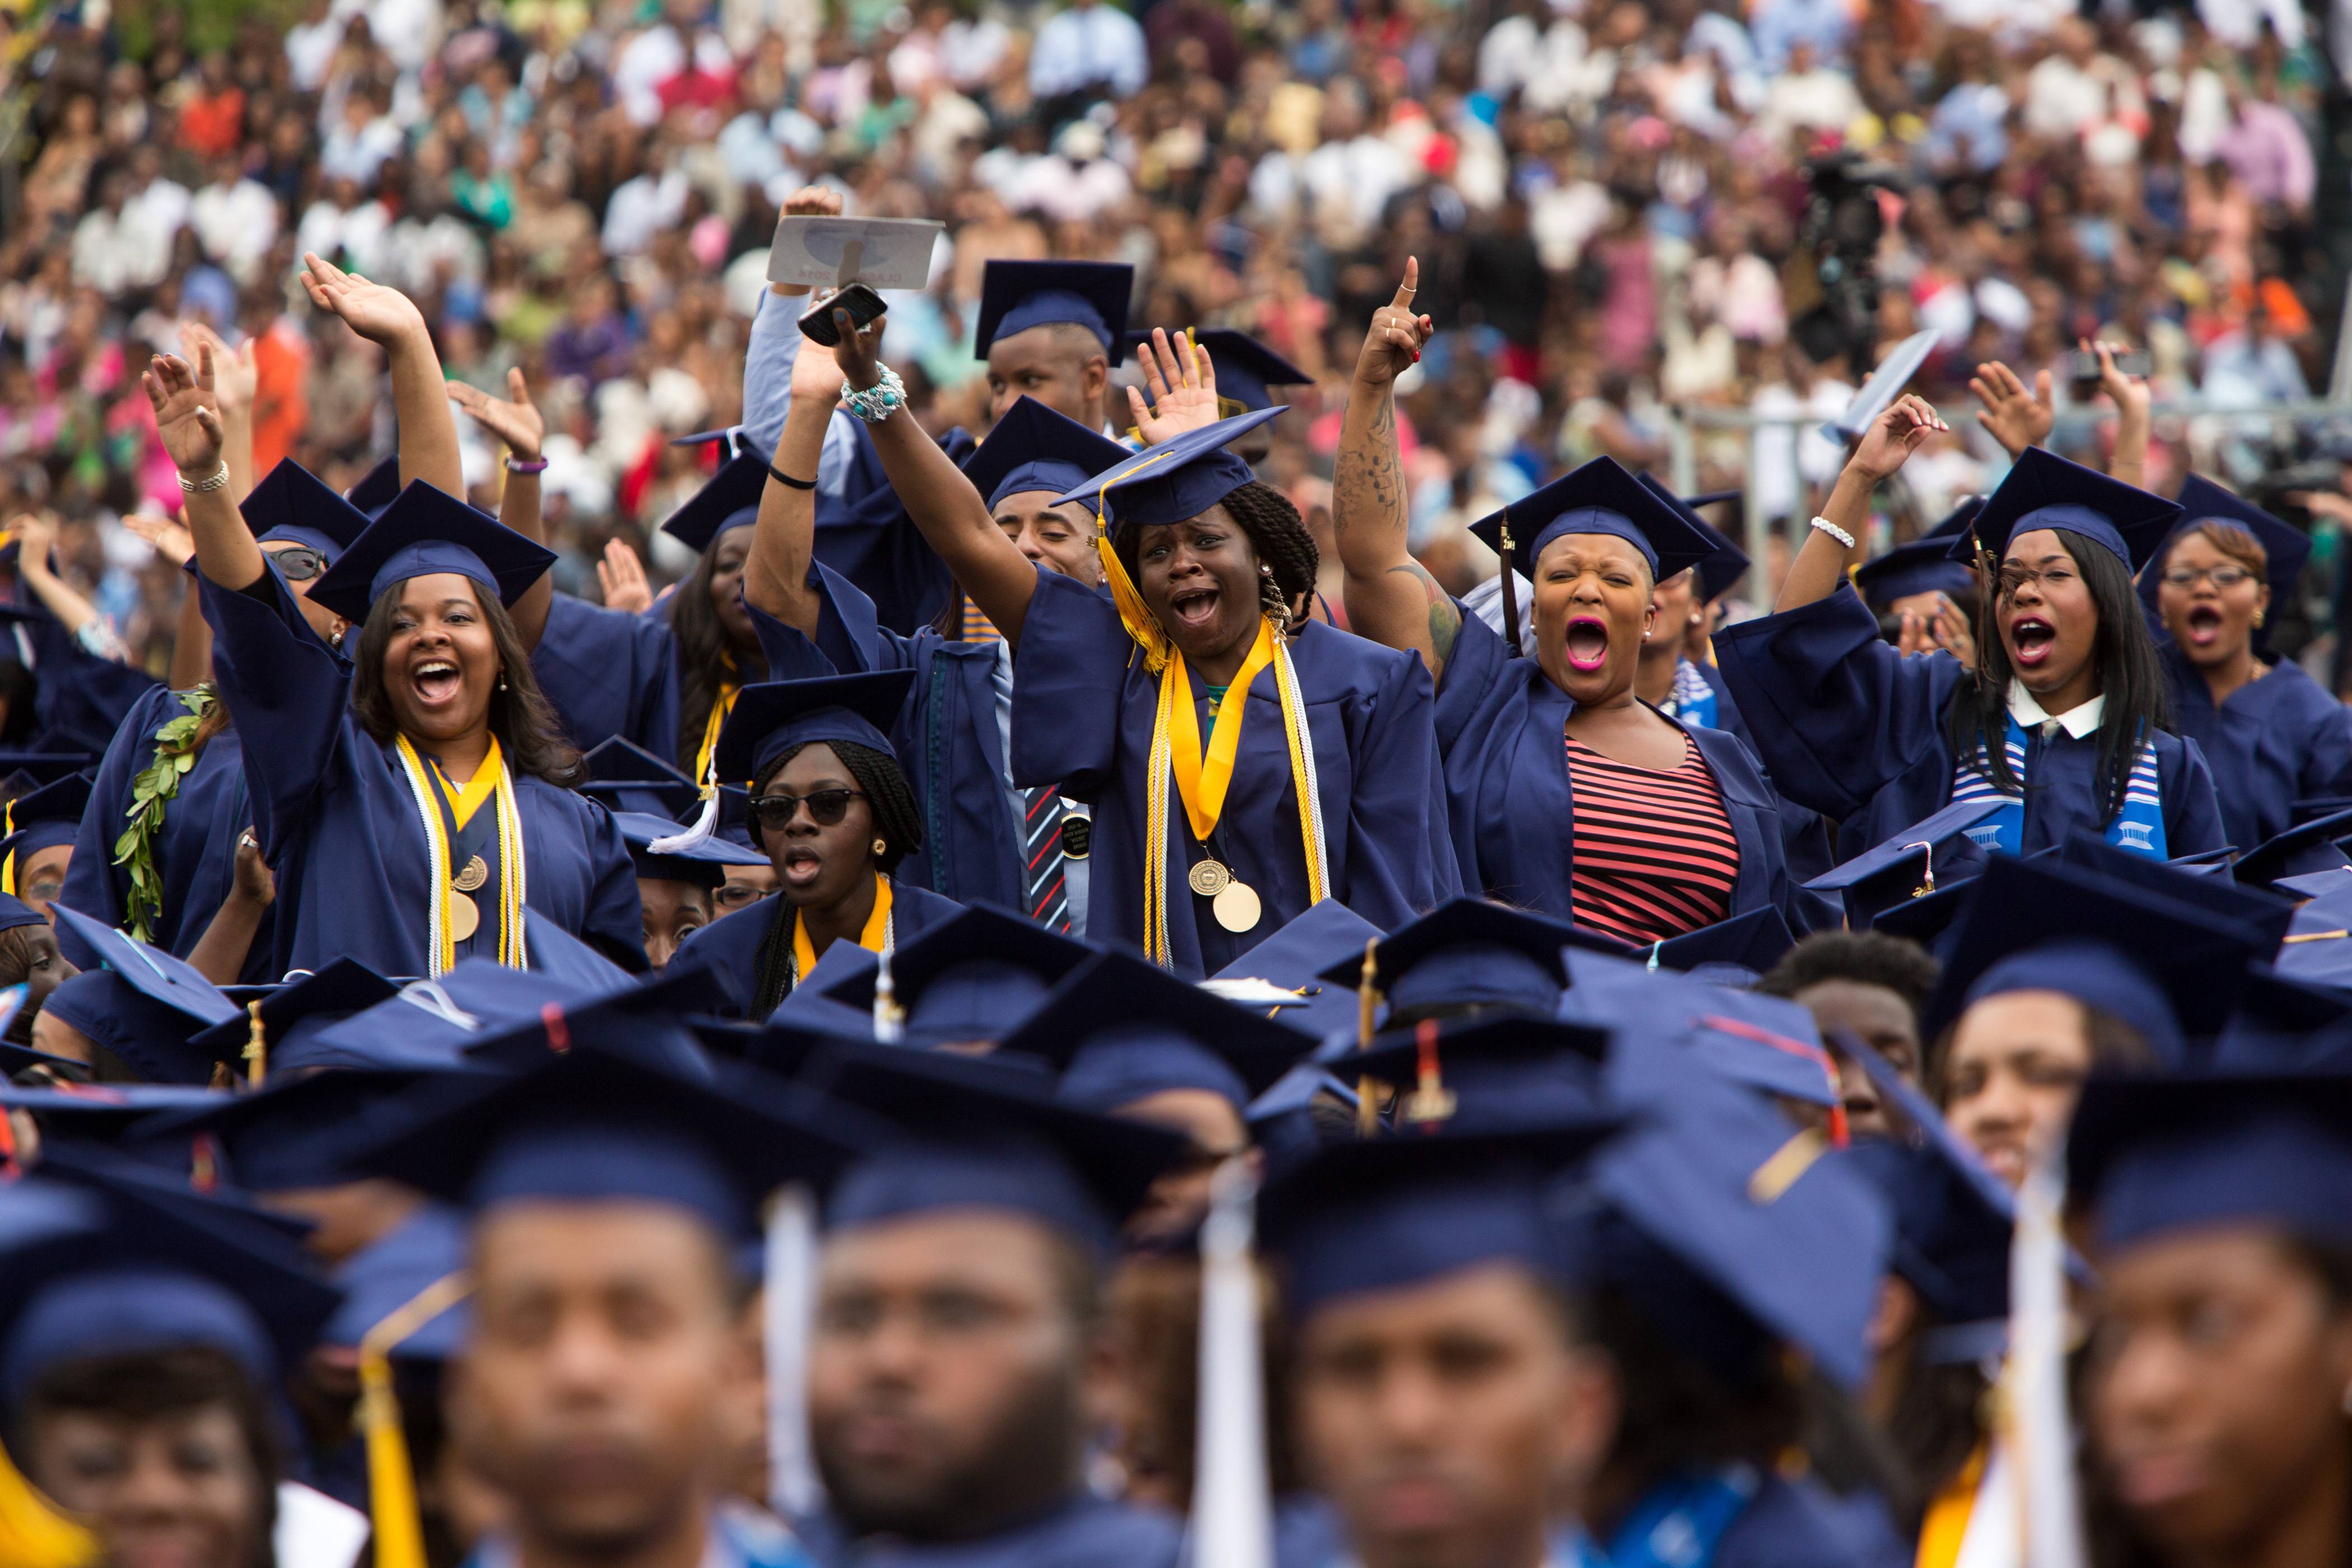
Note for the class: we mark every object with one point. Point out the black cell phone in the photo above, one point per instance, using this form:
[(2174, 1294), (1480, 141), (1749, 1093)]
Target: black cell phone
[(2082, 365), (863, 304)]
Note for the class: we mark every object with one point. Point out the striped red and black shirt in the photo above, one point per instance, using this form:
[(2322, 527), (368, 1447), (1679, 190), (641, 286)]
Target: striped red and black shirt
[(1655, 856)]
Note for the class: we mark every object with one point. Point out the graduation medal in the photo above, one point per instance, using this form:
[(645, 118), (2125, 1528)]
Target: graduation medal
[(465, 917), (1237, 908), (471, 878), (451, 916)]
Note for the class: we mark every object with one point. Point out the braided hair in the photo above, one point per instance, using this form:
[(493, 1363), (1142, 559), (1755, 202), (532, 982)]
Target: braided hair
[(896, 820), (1279, 536)]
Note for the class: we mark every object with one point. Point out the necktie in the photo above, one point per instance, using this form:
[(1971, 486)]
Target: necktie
[(1049, 900)]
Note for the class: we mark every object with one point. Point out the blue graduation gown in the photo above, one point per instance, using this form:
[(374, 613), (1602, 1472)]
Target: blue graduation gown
[(1856, 731), (340, 826), (196, 850), (1805, 843), (1083, 1532), (1083, 706), (730, 944), (1500, 724), (609, 673), (78, 698), (946, 736), (1797, 1524), (2276, 741)]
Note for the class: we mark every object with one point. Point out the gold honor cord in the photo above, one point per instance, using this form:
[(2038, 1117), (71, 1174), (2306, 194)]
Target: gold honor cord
[(879, 935), (34, 1533), (705, 760), (442, 936), (392, 1481)]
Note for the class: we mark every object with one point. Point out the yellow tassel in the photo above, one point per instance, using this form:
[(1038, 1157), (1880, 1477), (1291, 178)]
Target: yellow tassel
[(1140, 624), (33, 1534), (256, 1046), (1368, 1003), (391, 1483)]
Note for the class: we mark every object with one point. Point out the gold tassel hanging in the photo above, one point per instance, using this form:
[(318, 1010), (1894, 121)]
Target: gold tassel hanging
[(392, 1482)]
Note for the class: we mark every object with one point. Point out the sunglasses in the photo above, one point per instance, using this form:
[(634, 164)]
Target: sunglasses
[(299, 564), (826, 807)]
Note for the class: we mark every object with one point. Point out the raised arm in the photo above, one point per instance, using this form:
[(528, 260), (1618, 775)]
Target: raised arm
[(189, 422), (1391, 598), (36, 535), (953, 517), (235, 379), (429, 432), (2016, 415), (1823, 559), (2134, 416), (775, 575), (516, 421), (191, 644)]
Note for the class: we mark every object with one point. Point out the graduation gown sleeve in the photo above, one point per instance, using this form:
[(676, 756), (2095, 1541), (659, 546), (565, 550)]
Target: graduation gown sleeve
[(292, 698), (608, 673), (2277, 740)]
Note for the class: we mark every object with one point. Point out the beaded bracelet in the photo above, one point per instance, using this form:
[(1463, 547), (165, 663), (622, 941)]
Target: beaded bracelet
[(876, 402)]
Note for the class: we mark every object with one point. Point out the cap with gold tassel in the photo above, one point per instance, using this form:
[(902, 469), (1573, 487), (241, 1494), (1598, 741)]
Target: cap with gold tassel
[(256, 1046), (1367, 1007), (392, 1482)]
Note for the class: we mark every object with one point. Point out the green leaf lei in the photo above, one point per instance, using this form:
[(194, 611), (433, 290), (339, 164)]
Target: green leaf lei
[(150, 792)]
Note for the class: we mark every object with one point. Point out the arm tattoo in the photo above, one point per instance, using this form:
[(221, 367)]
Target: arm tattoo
[(1366, 484), (1444, 615)]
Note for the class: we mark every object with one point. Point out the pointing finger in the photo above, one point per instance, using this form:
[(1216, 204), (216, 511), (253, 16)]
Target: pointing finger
[(1412, 284)]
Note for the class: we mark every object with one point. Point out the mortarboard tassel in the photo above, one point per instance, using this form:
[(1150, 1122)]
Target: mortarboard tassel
[(1233, 1509), (1431, 1101), (788, 1301), (889, 1018), (2033, 1415), (704, 824), (1510, 591), (391, 1483), (1927, 870), (1368, 1006), (33, 1534), (256, 1046)]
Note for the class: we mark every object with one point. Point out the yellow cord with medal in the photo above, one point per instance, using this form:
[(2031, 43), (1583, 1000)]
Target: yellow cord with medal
[(453, 915)]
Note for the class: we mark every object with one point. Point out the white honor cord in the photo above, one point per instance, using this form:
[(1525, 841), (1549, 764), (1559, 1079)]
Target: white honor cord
[(788, 1308), (1288, 675)]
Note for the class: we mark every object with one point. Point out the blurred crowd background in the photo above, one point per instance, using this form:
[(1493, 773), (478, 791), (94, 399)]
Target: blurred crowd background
[(1621, 208)]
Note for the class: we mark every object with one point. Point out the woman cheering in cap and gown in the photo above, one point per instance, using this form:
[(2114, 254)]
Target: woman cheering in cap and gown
[(1197, 708), (413, 802), (2063, 726), (1567, 794)]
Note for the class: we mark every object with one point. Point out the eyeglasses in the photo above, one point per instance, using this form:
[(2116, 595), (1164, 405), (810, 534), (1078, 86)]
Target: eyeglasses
[(299, 564), (826, 807), (2225, 575), (733, 896)]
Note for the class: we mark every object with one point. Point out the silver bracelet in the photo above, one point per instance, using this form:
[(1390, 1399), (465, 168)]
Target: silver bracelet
[(1834, 532), (198, 487), (879, 401)]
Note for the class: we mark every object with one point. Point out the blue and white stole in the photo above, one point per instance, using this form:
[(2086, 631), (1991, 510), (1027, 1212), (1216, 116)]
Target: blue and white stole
[(2139, 827), (1679, 1523), (1693, 701)]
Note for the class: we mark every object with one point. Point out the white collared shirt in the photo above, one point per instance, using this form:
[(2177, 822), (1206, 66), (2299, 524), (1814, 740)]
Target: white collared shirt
[(2081, 721)]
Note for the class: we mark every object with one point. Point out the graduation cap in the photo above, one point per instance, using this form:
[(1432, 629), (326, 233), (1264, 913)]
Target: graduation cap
[(1924, 566), (15, 1059), (978, 1134), (2283, 1025), (1293, 959), (2152, 1155), (44, 819), (979, 974), (2305, 849), (1933, 855), (1764, 1043), (385, 1276), (729, 442), (378, 488), (2043, 489), (2285, 546), (300, 1131), (429, 531), (1469, 953), (1878, 393), (592, 1125), (1723, 565), (1383, 1215), (2265, 916), (774, 717), (1032, 448), (431, 1023), (104, 1112), (1731, 1234), (2318, 946), (624, 776), (295, 1015), (1180, 478), (1015, 296), (145, 1005), (1600, 497), (2167, 969), (1754, 942), (1282, 1121), (291, 503), (1123, 1029), (729, 499), (14, 911), (1483, 1075), (1246, 368), (28, 770), (703, 862)]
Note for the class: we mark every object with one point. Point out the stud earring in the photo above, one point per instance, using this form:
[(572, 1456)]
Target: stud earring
[(1265, 571), (2258, 617), (881, 847)]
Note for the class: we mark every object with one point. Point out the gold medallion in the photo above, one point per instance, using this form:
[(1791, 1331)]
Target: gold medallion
[(470, 880), (1236, 907), (1210, 878), (465, 917)]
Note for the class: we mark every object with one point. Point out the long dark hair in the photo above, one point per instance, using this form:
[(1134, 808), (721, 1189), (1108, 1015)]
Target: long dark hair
[(706, 657), (528, 732), (2131, 678)]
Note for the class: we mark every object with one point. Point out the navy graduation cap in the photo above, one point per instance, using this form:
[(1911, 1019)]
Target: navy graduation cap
[(291, 503), (624, 776), (378, 488), (1032, 448), (44, 818), (1924, 566), (144, 1006), (1723, 565), (1754, 942), (1015, 296), (1294, 957), (702, 861), (2043, 489), (302, 1131), (1389, 1213), (1123, 1029), (105, 1112), (1599, 497), (1764, 1043), (982, 1133), (2285, 546), (977, 975), (1934, 853), (1180, 478), (730, 499), (1503, 1073), (774, 717), (296, 1013), (2150, 1155), (2283, 1025), (2307, 847), (1469, 953), (431, 1023), (385, 1276), (1246, 368), (28, 770), (2264, 915), (590, 1125), (428, 531)]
